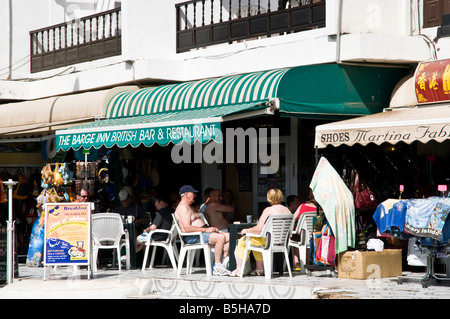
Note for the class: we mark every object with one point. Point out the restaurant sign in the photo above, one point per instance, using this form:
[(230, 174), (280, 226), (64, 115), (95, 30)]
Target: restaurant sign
[(432, 81), (135, 135), (67, 233)]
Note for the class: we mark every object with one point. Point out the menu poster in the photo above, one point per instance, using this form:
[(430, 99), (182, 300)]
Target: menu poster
[(3, 248), (67, 233), (4, 256)]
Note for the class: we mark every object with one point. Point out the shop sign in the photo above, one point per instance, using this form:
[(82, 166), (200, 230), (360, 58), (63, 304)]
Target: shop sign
[(392, 135), (67, 233), (129, 135), (432, 81)]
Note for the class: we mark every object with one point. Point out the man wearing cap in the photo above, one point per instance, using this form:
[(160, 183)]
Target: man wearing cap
[(129, 208), (189, 222)]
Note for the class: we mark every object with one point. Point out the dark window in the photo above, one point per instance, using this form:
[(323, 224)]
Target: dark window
[(433, 11)]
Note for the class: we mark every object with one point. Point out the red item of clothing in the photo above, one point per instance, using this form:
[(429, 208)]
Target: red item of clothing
[(304, 208)]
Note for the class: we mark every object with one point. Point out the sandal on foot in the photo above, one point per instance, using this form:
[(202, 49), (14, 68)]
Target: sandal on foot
[(235, 273), (257, 272)]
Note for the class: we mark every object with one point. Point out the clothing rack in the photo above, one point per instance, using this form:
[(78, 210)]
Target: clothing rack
[(428, 244), (430, 274)]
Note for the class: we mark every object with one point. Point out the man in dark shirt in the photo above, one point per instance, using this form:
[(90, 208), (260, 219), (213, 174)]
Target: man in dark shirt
[(129, 208), (163, 220)]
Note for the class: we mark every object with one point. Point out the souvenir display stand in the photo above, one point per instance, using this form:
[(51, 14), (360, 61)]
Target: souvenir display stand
[(59, 184), (425, 223)]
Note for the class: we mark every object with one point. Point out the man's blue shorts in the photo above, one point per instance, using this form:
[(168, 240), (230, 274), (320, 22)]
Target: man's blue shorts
[(195, 239)]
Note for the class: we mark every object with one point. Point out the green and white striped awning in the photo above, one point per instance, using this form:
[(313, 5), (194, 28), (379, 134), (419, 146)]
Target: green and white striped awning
[(193, 111), (229, 90)]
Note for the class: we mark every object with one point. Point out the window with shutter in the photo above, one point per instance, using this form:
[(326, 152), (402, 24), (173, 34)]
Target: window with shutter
[(433, 11)]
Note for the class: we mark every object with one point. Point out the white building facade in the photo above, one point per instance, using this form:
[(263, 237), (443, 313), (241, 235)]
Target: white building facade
[(56, 50)]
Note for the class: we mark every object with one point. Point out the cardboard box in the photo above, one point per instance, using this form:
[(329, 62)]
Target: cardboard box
[(370, 264)]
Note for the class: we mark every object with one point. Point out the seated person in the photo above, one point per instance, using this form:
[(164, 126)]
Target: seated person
[(83, 197), (163, 220), (310, 206), (292, 202), (206, 195), (217, 212), (128, 208), (189, 221), (228, 199), (274, 197)]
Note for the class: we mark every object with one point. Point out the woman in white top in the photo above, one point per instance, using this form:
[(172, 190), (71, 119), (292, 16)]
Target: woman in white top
[(275, 198)]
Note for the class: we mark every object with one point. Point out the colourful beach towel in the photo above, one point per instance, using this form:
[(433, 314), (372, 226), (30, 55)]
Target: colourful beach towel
[(336, 201)]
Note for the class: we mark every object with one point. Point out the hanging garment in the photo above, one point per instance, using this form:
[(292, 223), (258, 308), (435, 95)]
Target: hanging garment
[(426, 217), (390, 213), (336, 200)]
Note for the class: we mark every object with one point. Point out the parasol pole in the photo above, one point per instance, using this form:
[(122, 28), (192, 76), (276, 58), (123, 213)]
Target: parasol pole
[(10, 234)]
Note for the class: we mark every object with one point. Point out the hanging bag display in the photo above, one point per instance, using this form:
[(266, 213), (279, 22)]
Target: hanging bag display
[(21, 191), (3, 193), (316, 239), (317, 236), (327, 249), (361, 237), (363, 197)]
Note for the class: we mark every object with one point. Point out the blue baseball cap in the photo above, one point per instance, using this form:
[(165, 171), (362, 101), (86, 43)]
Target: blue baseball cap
[(187, 188)]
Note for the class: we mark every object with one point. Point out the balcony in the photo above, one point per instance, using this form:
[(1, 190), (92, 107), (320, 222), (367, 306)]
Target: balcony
[(202, 23), (89, 38)]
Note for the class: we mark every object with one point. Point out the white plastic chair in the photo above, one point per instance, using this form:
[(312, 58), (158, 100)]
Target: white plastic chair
[(169, 245), (188, 249), (108, 233), (277, 230), (199, 253), (304, 228)]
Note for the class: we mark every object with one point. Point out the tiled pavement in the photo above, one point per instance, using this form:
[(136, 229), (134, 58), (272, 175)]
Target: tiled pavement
[(162, 283)]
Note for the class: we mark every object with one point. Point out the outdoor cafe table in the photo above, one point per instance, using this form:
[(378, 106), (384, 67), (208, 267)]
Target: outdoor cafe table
[(234, 230), (131, 250)]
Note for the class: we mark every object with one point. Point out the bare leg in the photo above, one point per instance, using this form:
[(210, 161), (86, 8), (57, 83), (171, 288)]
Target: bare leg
[(226, 246), (218, 241), (139, 246), (296, 258), (259, 265)]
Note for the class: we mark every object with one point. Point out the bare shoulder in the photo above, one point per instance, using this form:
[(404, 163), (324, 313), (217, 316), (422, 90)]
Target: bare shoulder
[(219, 207), (180, 208)]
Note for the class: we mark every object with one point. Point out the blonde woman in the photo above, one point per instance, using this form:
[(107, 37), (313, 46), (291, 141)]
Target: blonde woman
[(275, 198)]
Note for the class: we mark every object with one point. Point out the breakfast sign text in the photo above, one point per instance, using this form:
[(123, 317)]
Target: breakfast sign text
[(67, 233)]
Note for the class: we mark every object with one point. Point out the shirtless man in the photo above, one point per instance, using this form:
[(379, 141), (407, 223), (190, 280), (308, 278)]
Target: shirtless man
[(189, 222), (217, 212)]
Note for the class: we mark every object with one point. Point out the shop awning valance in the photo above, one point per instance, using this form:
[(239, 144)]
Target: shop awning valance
[(304, 91), (45, 116), (202, 124), (421, 124)]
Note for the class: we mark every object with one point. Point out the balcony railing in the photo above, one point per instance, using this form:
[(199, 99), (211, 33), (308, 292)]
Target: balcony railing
[(206, 22), (93, 37)]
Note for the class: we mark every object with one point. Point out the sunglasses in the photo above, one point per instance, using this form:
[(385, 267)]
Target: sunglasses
[(84, 196)]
